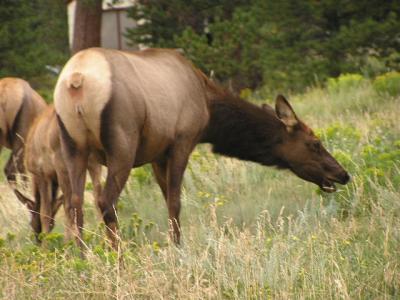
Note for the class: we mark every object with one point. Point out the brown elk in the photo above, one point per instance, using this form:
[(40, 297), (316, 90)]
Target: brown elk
[(20, 109), (19, 106), (153, 106), (44, 162)]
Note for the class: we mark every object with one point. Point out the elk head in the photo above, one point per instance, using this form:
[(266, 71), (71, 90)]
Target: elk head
[(303, 152)]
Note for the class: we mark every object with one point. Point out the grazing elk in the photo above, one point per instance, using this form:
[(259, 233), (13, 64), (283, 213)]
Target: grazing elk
[(19, 106), (44, 162), (153, 106)]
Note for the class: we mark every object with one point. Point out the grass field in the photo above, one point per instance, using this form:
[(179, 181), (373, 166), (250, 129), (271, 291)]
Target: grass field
[(249, 232)]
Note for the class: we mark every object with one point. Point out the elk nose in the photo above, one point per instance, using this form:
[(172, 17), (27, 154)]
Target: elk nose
[(345, 177)]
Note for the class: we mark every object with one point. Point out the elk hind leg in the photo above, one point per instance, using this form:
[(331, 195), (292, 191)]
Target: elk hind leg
[(74, 204), (65, 187), (76, 159), (94, 169), (116, 178)]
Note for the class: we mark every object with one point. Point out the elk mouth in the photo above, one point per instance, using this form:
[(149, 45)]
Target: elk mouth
[(328, 186), (328, 183)]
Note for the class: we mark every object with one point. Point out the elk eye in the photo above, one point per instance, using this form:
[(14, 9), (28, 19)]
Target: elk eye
[(316, 146)]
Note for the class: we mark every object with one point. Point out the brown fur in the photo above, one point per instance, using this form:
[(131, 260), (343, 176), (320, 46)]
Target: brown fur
[(154, 107), (19, 106), (43, 160), (271, 137)]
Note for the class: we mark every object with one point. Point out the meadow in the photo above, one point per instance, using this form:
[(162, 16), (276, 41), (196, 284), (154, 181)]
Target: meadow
[(249, 232)]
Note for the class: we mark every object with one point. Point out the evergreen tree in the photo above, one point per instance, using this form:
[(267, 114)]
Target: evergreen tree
[(33, 34), (160, 20), (322, 39), (283, 44)]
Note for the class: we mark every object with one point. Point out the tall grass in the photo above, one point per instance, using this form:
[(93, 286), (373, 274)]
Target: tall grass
[(249, 232)]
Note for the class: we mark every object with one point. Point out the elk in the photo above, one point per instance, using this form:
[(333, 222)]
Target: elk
[(44, 162), (20, 109), (19, 106), (154, 106)]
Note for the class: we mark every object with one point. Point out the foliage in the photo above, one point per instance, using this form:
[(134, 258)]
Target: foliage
[(345, 82), (233, 53), (33, 35), (326, 38), (388, 83), (160, 20), (281, 44)]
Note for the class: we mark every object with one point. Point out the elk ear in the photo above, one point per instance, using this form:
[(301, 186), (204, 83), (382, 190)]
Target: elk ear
[(285, 112)]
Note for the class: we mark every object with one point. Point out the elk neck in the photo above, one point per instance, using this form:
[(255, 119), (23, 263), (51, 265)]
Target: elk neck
[(242, 130)]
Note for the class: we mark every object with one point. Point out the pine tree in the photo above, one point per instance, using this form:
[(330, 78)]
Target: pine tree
[(33, 34)]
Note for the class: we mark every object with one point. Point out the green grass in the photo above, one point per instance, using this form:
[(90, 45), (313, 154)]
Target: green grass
[(249, 232), (4, 154)]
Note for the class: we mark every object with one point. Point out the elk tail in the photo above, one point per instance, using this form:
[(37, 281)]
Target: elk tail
[(74, 84), (75, 80)]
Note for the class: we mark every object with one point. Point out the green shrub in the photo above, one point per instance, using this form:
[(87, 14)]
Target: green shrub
[(53, 241), (345, 82), (340, 136), (382, 159), (142, 175), (388, 83)]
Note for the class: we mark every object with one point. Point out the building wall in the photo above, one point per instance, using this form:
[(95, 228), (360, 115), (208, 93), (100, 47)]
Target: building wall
[(127, 23), (114, 25)]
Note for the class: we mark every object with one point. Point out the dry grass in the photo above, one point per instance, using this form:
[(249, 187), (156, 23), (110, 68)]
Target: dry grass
[(248, 232)]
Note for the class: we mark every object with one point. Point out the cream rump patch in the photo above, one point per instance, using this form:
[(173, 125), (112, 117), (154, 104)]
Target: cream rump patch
[(83, 88)]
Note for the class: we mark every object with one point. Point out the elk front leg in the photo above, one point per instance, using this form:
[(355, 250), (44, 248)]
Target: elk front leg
[(45, 204), (35, 212), (160, 174), (176, 165)]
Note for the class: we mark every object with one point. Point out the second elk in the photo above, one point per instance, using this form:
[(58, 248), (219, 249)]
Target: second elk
[(44, 162)]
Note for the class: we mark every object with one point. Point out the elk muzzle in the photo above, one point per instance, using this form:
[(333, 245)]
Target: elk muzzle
[(328, 183)]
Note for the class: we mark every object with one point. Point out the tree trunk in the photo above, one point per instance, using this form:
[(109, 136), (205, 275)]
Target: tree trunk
[(87, 25)]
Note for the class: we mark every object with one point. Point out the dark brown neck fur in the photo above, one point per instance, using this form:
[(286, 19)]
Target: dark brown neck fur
[(240, 129)]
